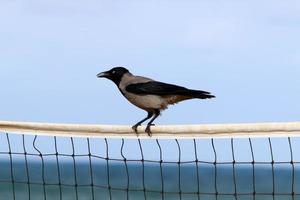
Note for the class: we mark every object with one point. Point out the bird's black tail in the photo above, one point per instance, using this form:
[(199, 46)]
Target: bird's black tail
[(196, 94)]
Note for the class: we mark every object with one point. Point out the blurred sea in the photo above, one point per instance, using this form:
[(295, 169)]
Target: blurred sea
[(166, 181)]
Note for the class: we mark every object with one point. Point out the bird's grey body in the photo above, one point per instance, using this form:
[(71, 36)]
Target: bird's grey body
[(148, 102), (148, 94)]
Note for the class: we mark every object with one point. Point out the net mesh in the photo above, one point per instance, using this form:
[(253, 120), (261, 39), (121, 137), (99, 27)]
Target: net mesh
[(49, 167)]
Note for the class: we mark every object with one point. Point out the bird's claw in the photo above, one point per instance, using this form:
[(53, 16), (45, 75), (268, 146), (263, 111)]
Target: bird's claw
[(148, 130), (135, 127)]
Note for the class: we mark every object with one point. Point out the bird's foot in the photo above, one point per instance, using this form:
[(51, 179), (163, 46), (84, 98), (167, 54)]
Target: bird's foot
[(148, 130), (135, 127)]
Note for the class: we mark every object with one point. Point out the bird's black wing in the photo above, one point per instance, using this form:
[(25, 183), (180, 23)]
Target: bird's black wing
[(162, 89), (154, 87)]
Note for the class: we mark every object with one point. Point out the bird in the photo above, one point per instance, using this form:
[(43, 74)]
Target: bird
[(150, 95)]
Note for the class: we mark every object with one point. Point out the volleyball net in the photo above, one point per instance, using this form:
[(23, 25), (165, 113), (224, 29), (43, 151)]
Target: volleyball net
[(56, 161)]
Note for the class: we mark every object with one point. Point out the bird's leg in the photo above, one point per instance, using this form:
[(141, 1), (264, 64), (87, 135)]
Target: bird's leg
[(147, 130), (150, 114)]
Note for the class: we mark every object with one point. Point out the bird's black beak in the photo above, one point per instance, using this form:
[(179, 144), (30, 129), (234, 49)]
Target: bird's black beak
[(103, 75)]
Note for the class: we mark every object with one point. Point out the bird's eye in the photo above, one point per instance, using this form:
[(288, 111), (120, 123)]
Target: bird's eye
[(113, 72)]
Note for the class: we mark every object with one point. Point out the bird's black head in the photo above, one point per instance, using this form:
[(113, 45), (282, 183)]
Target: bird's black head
[(115, 74)]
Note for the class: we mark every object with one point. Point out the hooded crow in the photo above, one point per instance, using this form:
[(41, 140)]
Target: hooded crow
[(150, 95)]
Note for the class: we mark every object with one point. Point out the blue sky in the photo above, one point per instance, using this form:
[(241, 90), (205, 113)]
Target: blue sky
[(245, 52)]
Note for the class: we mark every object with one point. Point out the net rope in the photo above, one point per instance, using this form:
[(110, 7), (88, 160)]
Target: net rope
[(51, 167)]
